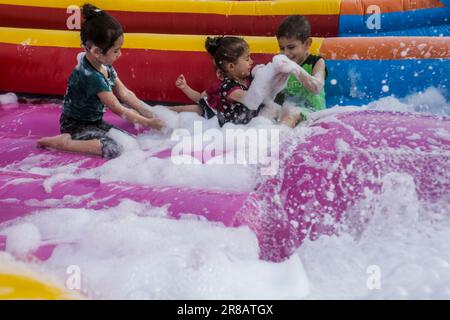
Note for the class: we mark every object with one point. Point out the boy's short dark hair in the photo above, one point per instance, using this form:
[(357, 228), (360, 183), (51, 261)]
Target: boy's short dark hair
[(295, 26)]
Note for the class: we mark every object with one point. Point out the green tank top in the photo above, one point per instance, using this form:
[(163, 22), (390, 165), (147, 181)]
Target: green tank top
[(296, 93)]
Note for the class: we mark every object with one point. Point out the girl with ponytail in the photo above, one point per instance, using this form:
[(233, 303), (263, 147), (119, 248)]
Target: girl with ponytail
[(231, 58), (94, 85)]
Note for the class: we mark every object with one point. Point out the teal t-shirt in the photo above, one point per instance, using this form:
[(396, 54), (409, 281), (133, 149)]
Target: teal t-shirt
[(297, 94), (85, 82)]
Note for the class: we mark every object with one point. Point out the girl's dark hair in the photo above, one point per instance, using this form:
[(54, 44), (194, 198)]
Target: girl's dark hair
[(225, 49), (296, 26), (99, 28)]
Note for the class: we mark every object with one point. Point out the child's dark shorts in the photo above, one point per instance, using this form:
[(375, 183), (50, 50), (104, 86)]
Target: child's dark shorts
[(207, 111), (87, 130)]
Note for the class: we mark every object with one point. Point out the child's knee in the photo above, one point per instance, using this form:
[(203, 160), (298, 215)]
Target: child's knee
[(291, 111), (110, 148), (292, 120), (291, 115), (271, 111)]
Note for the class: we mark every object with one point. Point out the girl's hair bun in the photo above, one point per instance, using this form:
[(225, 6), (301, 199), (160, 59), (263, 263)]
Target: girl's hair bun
[(89, 11), (212, 44)]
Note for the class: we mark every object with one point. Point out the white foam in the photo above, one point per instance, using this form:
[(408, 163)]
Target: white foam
[(22, 238), (406, 241), (80, 57), (269, 80), (342, 146), (57, 178), (8, 98), (133, 251), (431, 101), (443, 134), (136, 167), (170, 118), (18, 181)]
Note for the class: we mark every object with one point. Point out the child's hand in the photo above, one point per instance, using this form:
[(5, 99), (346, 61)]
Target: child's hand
[(156, 124), (278, 83), (280, 79), (146, 113), (181, 82), (255, 69)]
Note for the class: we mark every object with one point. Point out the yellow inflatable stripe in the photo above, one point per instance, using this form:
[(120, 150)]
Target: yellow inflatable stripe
[(280, 7), (20, 287), (166, 42)]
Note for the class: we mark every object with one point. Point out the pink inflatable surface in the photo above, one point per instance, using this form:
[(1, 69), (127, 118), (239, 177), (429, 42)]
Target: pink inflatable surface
[(322, 178)]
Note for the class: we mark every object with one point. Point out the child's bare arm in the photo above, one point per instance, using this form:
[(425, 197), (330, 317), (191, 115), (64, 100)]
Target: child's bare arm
[(192, 94), (316, 81), (237, 95), (129, 98), (110, 101)]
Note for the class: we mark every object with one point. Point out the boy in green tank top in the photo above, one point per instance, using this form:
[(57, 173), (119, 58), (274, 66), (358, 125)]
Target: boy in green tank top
[(305, 89)]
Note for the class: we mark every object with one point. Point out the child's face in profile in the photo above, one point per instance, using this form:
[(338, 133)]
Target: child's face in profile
[(242, 67), (294, 49), (113, 53)]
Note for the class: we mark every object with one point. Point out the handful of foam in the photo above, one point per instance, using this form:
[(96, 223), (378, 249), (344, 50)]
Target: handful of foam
[(269, 80), (22, 239), (170, 118)]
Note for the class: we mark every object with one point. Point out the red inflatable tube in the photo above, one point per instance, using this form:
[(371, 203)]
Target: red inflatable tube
[(167, 23), (146, 72)]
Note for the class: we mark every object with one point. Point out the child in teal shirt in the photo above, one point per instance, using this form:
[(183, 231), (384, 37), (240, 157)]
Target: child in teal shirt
[(94, 86)]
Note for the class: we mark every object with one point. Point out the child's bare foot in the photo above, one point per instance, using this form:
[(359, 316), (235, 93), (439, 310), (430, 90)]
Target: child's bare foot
[(57, 142), (177, 109)]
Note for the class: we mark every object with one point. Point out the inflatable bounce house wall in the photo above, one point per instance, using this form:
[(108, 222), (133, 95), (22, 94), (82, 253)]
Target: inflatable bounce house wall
[(166, 38)]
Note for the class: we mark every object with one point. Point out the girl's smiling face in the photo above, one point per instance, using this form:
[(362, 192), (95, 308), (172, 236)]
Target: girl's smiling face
[(294, 49)]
